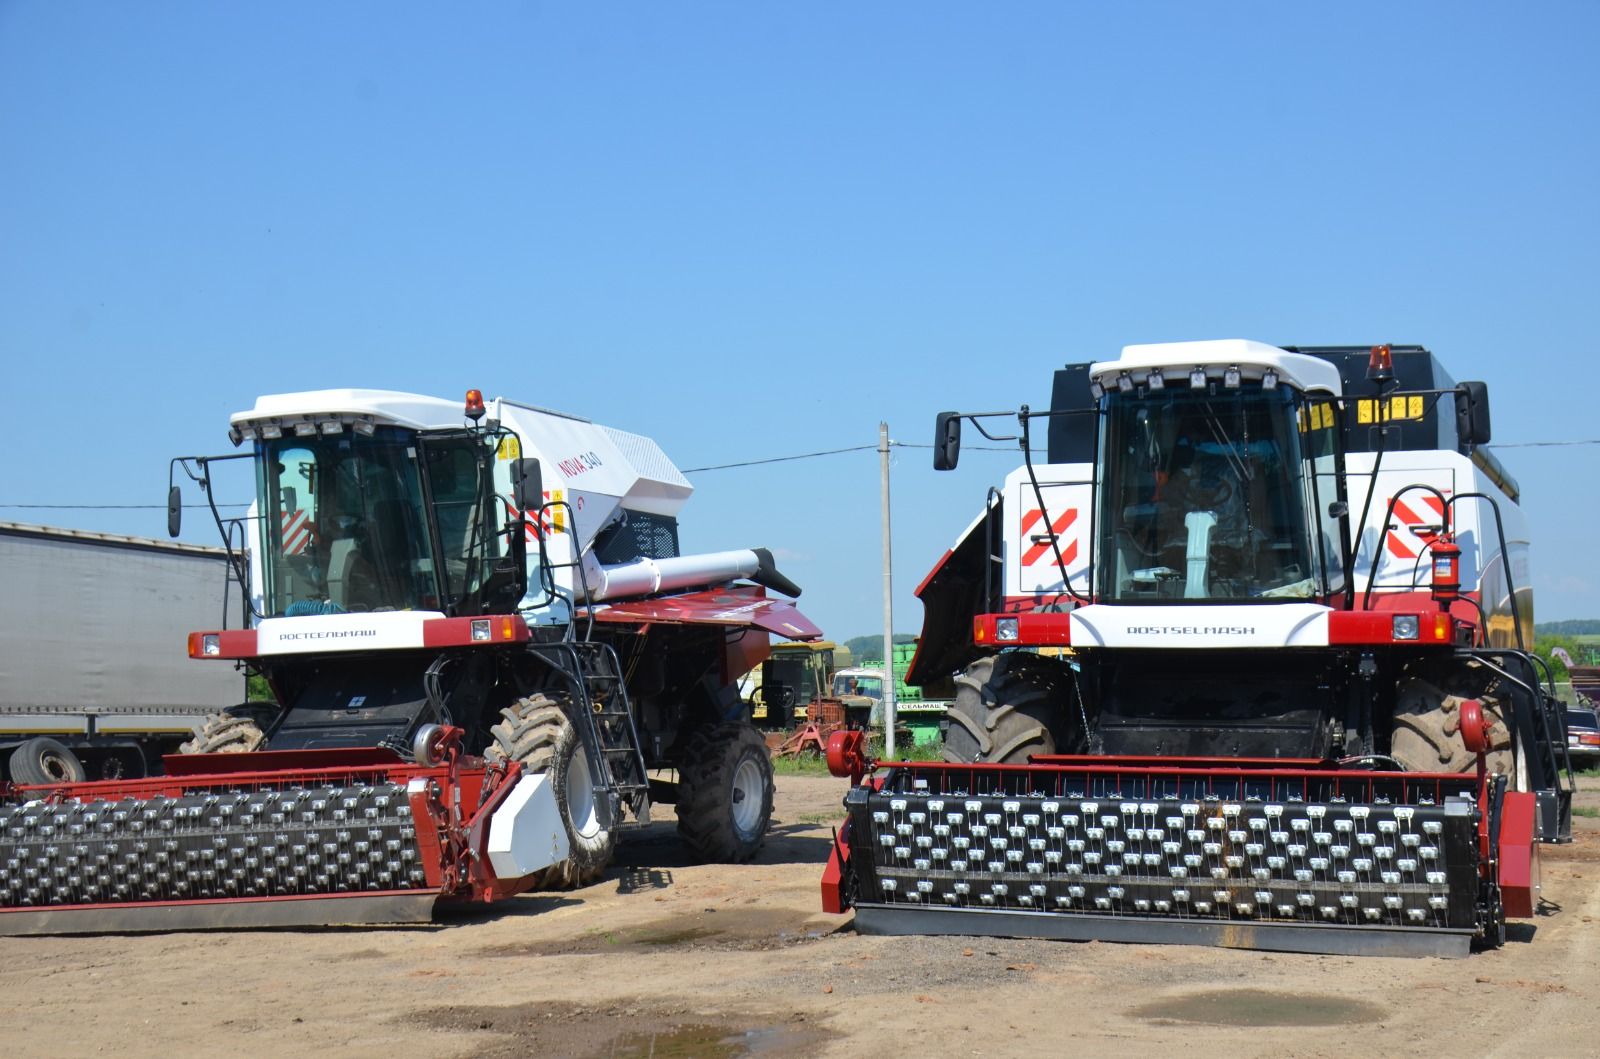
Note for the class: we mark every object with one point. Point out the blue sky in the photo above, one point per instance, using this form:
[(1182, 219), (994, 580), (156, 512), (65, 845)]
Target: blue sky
[(753, 230)]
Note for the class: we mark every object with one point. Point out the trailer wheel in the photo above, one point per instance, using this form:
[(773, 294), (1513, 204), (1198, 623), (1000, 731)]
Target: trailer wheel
[(1427, 719), (536, 732), (44, 760), (228, 732), (1005, 710), (725, 792)]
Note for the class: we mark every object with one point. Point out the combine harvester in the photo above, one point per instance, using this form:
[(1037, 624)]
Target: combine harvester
[(1296, 709), (482, 638)]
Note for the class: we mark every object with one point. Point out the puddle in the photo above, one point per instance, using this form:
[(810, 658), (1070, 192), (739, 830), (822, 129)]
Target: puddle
[(1260, 1007), (741, 929), (620, 1032), (711, 1042)]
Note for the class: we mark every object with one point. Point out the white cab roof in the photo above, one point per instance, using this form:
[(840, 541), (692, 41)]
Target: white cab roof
[(1253, 359), (381, 406)]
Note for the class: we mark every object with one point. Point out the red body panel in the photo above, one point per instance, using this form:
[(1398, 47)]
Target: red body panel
[(833, 876), (729, 607), (1519, 855), (457, 632)]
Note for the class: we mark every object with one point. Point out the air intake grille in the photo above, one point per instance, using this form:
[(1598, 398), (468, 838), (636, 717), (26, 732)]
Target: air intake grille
[(638, 536)]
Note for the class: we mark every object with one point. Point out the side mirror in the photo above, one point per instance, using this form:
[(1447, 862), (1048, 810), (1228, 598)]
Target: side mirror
[(946, 441), (527, 485), (174, 510), (1472, 413)]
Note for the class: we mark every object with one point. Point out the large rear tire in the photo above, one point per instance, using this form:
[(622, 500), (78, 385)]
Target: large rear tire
[(1007, 708), (725, 792), (1427, 719), (537, 732)]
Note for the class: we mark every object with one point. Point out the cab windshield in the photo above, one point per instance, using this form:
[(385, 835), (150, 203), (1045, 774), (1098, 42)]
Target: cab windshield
[(1207, 495), (352, 524), (845, 684)]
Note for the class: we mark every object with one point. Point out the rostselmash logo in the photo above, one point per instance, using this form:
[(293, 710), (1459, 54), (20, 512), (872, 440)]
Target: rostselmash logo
[(331, 634), (1191, 630)]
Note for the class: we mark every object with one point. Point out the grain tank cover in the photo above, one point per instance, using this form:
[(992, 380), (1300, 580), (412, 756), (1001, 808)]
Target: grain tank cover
[(598, 470)]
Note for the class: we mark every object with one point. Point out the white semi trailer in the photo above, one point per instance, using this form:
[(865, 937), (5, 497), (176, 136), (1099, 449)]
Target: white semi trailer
[(93, 629)]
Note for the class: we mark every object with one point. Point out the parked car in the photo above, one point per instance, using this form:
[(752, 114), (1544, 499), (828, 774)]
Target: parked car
[(1583, 737)]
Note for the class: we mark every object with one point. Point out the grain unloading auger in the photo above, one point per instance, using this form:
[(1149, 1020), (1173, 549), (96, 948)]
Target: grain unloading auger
[(481, 641), (1197, 701)]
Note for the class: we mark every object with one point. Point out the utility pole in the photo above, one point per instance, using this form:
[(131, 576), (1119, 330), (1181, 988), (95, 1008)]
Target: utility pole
[(888, 599)]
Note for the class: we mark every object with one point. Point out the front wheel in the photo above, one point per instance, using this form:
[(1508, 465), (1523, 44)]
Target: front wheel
[(237, 730), (536, 732), (1427, 718), (1006, 710), (725, 793)]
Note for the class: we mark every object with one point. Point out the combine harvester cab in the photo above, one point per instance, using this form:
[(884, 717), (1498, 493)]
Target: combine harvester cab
[(1245, 664), (480, 639)]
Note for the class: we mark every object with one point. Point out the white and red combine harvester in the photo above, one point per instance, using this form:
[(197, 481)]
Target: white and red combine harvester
[(1245, 663), (480, 638)]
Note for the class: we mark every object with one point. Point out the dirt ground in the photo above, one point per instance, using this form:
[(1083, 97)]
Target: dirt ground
[(666, 958)]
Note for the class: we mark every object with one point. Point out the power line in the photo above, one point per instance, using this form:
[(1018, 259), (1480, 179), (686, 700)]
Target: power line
[(781, 459), (107, 507), (1542, 444), (835, 452), (722, 467)]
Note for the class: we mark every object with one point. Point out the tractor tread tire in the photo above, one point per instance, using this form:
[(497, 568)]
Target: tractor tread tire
[(536, 732), (1426, 721), (225, 733), (706, 771), (1002, 713)]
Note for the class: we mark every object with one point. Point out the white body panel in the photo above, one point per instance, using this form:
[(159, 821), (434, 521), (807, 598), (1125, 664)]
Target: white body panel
[(320, 633), (1201, 627), (526, 833), (1068, 515), (1401, 542)]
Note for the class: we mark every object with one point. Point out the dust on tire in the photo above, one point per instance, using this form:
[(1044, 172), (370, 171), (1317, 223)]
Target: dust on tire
[(536, 732), (712, 792), (1005, 710)]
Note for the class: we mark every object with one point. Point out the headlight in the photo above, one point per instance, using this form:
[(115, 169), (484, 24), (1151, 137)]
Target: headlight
[(480, 629), (211, 644), (1405, 626), (1005, 629)]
